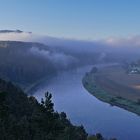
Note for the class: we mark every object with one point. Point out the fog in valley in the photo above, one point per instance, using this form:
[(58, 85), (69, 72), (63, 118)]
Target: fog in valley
[(69, 70), (39, 63)]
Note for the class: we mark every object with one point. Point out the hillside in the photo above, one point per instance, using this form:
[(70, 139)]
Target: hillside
[(26, 63), (24, 118), (19, 64)]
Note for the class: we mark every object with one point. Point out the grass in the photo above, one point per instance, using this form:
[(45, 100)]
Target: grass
[(89, 82)]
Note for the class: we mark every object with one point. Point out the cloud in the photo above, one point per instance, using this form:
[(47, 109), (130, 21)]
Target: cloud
[(106, 45), (59, 59), (133, 41), (14, 36), (19, 36)]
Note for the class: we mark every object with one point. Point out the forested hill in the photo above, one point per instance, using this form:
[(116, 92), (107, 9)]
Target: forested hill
[(21, 63), (28, 63), (24, 118)]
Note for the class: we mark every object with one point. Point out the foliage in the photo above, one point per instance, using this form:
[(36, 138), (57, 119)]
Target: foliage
[(19, 64), (23, 118)]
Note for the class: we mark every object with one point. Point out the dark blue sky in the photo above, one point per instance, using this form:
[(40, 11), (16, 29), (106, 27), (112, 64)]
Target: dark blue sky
[(82, 19)]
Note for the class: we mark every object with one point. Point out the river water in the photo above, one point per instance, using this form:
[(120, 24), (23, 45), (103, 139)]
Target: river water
[(82, 108)]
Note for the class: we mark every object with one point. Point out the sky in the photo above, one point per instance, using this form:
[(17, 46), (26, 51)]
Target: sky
[(76, 19)]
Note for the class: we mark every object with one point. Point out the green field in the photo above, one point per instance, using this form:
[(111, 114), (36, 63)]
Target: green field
[(114, 86)]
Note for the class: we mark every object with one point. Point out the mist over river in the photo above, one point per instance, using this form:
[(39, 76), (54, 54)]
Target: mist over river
[(81, 107)]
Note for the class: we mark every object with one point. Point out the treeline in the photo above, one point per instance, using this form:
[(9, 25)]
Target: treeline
[(24, 118), (19, 65)]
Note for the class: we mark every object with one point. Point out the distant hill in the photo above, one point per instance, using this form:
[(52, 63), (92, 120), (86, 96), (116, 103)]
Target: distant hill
[(20, 64), (26, 63)]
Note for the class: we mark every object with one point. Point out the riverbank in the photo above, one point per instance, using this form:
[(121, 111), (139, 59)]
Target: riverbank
[(70, 96), (93, 85)]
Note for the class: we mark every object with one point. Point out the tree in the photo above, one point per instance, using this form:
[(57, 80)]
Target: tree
[(63, 115), (48, 105), (24, 118), (99, 136), (3, 106)]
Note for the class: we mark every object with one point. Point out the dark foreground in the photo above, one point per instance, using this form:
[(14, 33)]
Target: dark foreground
[(24, 118)]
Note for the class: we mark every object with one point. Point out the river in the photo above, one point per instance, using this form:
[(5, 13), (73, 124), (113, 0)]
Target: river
[(82, 108)]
